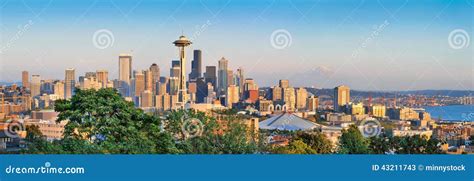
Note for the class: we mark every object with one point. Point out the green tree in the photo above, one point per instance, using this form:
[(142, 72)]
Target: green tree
[(102, 121), (317, 141), (234, 138), (36, 143), (294, 147), (353, 142), (405, 145), (380, 145)]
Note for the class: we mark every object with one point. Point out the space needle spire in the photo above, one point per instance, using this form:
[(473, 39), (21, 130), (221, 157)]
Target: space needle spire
[(181, 43)]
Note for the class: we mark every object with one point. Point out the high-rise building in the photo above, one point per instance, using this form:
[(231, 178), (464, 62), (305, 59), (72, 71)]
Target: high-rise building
[(25, 79), (59, 89), (232, 96), (284, 83), (182, 43), (175, 63), (301, 96), (102, 77), (166, 102), (222, 77), (173, 86), (289, 97), (277, 93), (175, 71), (139, 83), (240, 80), (201, 90), (35, 86), (313, 103), (155, 73), (196, 65), (192, 90), (146, 98), (341, 96), (148, 80), (125, 73), (377, 110), (69, 83), (210, 75), (159, 102), (230, 78)]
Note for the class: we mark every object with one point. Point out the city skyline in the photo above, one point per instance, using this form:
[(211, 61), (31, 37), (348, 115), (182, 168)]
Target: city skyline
[(336, 52)]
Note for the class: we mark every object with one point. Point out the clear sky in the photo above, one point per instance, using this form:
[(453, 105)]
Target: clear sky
[(368, 45)]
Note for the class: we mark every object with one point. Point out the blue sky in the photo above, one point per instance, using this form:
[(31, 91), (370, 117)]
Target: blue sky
[(332, 43)]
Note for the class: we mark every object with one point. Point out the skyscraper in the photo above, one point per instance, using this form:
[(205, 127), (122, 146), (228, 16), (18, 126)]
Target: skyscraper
[(125, 73), (182, 43), (341, 96), (289, 97), (196, 65), (240, 80), (148, 80), (210, 75), (25, 79), (102, 77), (146, 99), (139, 83), (59, 89), (301, 96), (232, 96), (312, 103), (222, 77), (277, 93), (69, 83), (35, 85), (230, 78), (284, 83), (155, 73)]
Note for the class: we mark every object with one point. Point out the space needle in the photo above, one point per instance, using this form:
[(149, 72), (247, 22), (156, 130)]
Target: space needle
[(181, 43)]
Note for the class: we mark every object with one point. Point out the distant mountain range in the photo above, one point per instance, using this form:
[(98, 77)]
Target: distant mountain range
[(451, 93), (389, 94)]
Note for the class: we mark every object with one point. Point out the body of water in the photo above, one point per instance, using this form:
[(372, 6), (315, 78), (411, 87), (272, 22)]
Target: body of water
[(452, 113)]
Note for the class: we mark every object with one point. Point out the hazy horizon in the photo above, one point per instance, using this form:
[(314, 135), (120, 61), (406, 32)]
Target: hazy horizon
[(389, 46)]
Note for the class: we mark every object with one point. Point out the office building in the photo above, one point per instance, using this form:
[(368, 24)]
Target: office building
[(69, 83), (155, 74), (210, 75), (222, 77), (25, 79), (301, 96), (196, 65), (35, 86), (341, 97)]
